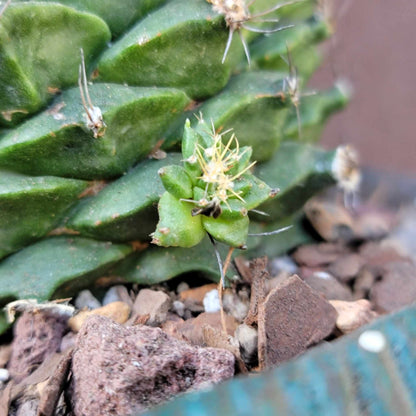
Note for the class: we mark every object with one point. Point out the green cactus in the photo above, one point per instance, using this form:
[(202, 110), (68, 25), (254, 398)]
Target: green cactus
[(83, 166)]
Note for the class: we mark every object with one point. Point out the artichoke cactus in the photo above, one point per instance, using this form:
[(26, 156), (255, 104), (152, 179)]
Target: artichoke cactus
[(97, 100)]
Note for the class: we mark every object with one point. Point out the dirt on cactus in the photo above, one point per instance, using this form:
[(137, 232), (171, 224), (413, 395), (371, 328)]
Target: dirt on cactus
[(129, 348)]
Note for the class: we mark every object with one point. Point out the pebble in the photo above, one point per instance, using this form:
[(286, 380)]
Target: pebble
[(396, 289), (86, 300), (211, 301), (372, 341), (154, 303), (117, 311), (179, 308), (4, 375), (352, 315), (118, 293), (234, 306), (247, 338)]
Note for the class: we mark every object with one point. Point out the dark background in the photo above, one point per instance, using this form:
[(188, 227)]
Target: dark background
[(375, 49)]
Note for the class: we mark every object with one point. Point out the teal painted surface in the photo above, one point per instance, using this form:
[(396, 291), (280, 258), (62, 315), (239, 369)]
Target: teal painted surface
[(340, 378)]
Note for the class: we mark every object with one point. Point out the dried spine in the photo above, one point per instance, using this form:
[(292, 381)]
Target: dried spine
[(95, 121), (237, 15)]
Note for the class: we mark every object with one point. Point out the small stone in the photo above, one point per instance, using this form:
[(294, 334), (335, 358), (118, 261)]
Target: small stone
[(352, 315), (315, 255), (179, 308), (118, 293), (4, 375), (191, 329), (282, 264), (117, 311), (292, 317), (234, 306), (376, 255), (326, 284), (68, 341), (364, 282), (154, 303), (248, 339), (396, 289), (346, 267), (332, 221), (182, 286), (36, 337), (196, 295), (119, 370), (86, 300), (211, 301), (372, 341)]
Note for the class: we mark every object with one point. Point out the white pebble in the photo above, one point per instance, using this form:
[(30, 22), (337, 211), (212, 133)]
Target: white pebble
[(86, 299), (323, 275), (179, 307), (212, 301), (4, 375), (372, 341)]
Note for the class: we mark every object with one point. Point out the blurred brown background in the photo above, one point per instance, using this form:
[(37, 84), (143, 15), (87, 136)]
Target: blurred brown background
[(375, 49)]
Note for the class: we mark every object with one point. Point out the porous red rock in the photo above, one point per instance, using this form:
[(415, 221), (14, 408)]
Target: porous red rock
[(119, 370), (292, 317), (36, 336)]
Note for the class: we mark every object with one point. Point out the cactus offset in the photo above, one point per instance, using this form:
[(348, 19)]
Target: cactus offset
[(59, 231)]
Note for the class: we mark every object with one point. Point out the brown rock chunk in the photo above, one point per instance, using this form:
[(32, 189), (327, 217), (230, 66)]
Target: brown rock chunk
[(117, 311), (292, 318), (36, 336), (396, 289), (315, 255), (154, 303), (328, 286), (352, 315), (119, 370)]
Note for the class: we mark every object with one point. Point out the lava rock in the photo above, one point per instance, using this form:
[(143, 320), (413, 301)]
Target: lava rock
[(119, 370), (292, 317), (36, 336)]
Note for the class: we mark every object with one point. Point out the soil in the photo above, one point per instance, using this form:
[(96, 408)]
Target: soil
[(137, 347)]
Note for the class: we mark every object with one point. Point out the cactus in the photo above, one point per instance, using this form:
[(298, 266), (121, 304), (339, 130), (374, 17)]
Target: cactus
[(83, 165)]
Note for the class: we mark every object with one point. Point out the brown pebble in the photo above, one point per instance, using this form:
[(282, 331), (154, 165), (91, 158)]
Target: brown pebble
[(154, 303), (396, 289), (293, 317), (329, 287), (346, 267), (330, 220), (352, 315), (363, 282), (117, 311), (315, 255)]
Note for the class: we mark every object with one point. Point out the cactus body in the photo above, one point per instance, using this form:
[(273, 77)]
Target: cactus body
[(162, 67)]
